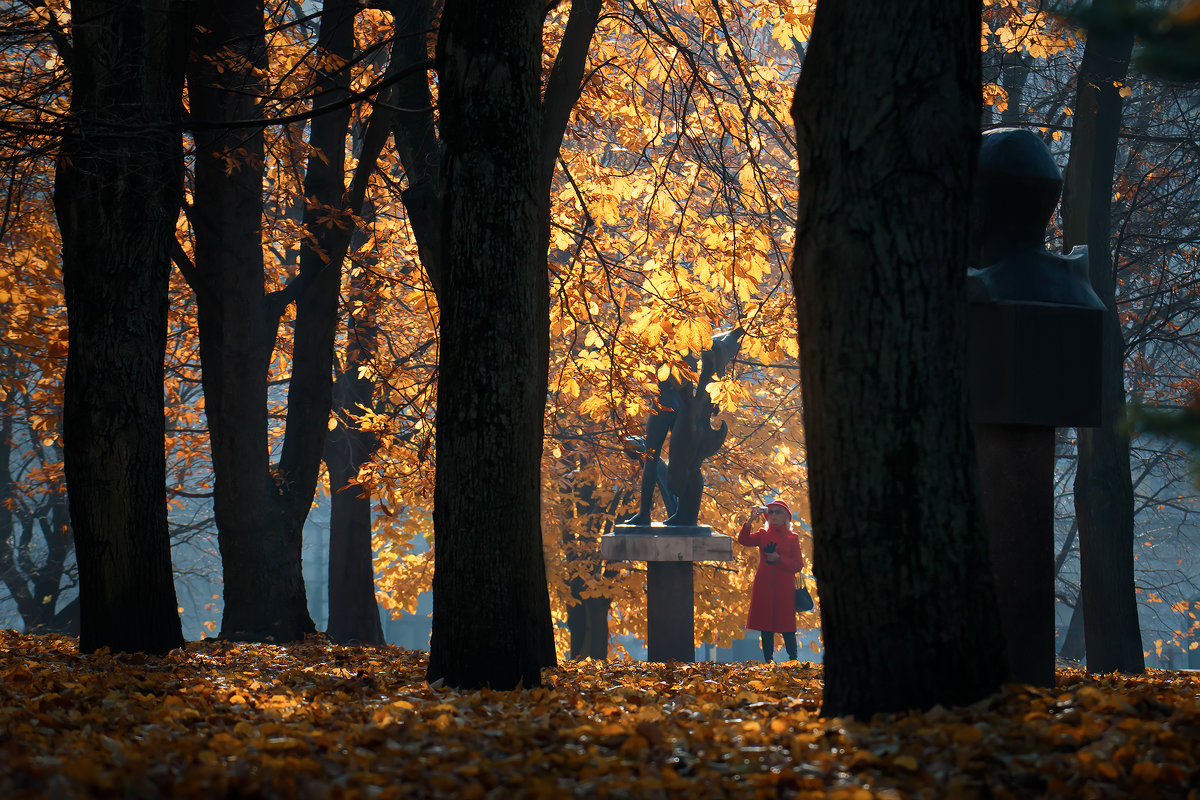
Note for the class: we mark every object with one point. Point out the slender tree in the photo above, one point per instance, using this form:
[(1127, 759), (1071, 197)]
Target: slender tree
[(117, 191), (1104, 502), (353, 610), (887, 115)]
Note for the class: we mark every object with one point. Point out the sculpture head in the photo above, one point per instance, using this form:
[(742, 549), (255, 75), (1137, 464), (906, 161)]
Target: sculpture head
[(1017, 186), (725, 347)]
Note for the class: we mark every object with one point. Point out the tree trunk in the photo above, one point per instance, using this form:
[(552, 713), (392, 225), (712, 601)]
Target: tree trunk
[(264, 597), (491, 606), (353, 610), (1103, 486), (117, 191), (887, 115), (1073, 643), (587, 621), (261, 531)]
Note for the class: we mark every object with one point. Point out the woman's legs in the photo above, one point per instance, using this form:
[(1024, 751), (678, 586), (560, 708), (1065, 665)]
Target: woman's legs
[(768, 645), (789, 644)]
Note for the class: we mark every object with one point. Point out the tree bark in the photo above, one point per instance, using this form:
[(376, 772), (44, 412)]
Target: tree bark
[(887, 115), (491, 605), (472, 209), (587, 622), (264, 598), (353, 610), (117, 191), (1103, 485), (262, 507), (1073, 645)]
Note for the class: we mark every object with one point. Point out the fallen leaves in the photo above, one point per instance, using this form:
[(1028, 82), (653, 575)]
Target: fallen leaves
[(316, 720)]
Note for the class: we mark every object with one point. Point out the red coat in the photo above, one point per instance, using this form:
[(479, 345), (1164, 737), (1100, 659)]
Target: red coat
[(773, 597)]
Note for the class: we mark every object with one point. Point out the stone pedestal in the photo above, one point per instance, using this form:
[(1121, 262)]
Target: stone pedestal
[(1016, 472), (669, 551)]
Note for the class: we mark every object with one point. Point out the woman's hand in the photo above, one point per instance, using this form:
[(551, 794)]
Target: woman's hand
[(755, 511), (771, 557)]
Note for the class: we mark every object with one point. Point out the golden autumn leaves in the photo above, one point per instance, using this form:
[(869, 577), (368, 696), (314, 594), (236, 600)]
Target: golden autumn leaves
[(316, 720)]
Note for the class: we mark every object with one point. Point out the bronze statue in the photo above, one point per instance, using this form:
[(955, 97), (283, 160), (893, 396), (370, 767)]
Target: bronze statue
[(684, 411)]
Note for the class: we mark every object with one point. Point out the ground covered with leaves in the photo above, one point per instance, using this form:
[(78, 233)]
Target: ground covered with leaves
[(318, 720)]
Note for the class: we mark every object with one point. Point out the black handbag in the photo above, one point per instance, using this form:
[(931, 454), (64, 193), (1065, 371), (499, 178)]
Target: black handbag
[(804, 601)]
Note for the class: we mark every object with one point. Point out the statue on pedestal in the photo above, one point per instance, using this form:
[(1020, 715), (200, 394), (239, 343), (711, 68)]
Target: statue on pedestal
[(685, 411)]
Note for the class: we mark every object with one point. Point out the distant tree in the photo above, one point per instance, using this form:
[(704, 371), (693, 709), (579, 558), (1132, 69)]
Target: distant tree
[(887, 116), (117, 194), (1104, 502)]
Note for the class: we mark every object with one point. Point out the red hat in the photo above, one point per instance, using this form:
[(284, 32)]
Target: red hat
[(782, 505)]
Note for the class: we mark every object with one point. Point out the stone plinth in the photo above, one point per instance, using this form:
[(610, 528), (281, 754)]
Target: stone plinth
[(658, 542), (668, 551)]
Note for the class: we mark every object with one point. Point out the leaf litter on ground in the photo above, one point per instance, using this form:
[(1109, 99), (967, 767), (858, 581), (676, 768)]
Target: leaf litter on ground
[(316, 720)]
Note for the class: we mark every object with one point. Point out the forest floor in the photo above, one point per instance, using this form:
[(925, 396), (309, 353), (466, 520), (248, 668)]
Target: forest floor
[(216, 720)]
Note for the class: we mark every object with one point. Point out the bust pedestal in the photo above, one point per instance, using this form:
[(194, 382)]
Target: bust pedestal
[(668, 551)]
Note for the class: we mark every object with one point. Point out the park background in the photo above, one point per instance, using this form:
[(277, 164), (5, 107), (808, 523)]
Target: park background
[(672, 208)]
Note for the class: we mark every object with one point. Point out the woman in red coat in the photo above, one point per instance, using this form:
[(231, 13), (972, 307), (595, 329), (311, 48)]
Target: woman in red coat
[(773, 597)]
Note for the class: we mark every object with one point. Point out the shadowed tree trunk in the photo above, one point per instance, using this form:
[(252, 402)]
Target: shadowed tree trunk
[(491, 606), (261, 507), (32, 567), (887, 113), (353, 610), (483, 247), (587, 621), (264, 595), (1073, 644), (1103, 485), (117, 190)]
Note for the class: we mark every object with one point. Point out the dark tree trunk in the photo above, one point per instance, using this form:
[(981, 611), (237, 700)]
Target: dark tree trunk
[(887, 114), (310, 393), (261, 525), (1073, 645), (587, 618), (1103, 485), (491, 606), (415, 133), (587, 622), (260, 553), (353, 610), (483, 247), (117, 191)]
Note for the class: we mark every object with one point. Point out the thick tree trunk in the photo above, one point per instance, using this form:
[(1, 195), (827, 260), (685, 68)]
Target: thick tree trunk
[(887, 114), (117, 191), (1103, 485), (491, 606), (264, 597)]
